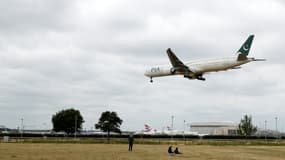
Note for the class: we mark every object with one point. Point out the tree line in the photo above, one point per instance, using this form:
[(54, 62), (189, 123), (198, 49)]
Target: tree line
[(70, 121)]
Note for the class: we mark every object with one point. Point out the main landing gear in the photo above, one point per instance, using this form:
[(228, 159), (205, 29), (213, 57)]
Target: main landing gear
[(201, 78), (151, 80)]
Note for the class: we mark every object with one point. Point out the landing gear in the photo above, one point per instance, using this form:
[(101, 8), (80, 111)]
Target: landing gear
[(172, 70), (187, 76), (201, 78), (151, 80)]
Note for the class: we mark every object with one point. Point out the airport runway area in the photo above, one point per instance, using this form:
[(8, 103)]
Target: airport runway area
[(41, 151)]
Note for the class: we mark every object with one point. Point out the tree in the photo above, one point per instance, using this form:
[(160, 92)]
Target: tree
[(245, 126), (109, 122), (67, 120)]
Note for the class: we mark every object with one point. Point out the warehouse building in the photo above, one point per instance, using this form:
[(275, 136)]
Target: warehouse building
[(214, 128)]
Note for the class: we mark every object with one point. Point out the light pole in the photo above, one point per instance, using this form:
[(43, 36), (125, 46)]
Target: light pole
[(184, 126), (265, 129), (172, 117), (184, 129), (276, 119), (265, 125), (22, 127)]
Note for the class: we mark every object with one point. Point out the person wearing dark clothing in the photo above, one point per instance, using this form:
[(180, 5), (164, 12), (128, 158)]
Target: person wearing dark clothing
[(131, 142), (176, 151), (170, 150)]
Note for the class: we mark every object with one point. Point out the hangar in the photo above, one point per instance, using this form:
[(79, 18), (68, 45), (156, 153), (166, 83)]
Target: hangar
[(214, 128)]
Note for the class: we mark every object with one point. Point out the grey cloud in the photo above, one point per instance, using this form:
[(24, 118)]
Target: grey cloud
[(91, 55), (18, 17)]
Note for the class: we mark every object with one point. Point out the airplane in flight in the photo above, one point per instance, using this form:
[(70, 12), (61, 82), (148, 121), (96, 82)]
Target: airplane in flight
[(196, 69)]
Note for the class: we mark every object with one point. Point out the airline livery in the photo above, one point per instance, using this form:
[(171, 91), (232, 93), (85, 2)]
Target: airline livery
[(196, 69)]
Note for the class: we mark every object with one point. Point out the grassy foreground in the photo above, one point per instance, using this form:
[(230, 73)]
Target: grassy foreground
[(39, 151)]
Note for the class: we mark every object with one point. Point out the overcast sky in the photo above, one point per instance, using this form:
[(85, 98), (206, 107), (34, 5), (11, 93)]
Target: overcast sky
[(91, 55)]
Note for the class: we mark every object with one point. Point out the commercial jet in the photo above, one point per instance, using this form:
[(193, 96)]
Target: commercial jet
[(196, 69)]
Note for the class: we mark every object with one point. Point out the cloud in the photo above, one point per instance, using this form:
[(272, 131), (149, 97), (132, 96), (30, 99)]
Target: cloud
[(29, 16), (91, 56)]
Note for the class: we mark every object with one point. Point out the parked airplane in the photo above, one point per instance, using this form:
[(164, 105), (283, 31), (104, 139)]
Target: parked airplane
[(148, 130), (196, 69)]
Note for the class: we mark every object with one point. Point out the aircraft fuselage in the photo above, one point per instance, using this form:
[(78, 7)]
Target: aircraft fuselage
[(198, 67)]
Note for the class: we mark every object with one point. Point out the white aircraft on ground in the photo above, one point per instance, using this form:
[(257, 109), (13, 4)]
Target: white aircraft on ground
[(196, 69), (148, 130)]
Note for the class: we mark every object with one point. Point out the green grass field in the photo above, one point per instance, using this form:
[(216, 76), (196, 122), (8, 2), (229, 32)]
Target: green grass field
[(40, 151)]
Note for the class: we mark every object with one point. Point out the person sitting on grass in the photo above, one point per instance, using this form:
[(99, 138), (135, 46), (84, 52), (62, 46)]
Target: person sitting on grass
[(170, 150), (176, 151)]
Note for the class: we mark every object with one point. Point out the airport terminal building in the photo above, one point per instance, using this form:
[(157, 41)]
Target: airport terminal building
[(214, 128)]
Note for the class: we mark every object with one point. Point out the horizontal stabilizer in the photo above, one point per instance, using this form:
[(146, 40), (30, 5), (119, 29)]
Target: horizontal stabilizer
[(259, 59)]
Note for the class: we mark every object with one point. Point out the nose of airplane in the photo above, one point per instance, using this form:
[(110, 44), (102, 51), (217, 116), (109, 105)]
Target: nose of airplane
[(146, 73)]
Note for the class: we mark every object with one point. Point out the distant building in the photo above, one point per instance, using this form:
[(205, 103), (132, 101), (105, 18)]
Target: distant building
[(214, 128)]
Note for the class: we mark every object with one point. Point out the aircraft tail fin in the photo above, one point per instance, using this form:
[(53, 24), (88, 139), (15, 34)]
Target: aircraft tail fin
[(245, 48), (147, 128)]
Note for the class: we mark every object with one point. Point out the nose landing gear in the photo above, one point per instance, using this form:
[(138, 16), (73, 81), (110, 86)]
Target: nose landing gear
[(151, 80)]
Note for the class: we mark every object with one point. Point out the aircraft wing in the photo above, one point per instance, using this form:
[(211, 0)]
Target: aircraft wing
[(173, 59), (176, 63)]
